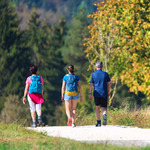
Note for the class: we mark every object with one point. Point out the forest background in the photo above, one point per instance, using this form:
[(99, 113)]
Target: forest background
[(50, 34)]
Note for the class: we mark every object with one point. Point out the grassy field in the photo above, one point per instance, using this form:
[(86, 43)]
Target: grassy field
[(16, 137), (134, 117)]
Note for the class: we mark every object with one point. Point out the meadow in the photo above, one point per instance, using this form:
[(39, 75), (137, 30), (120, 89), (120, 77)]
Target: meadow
[(15, 137), (137, 117)]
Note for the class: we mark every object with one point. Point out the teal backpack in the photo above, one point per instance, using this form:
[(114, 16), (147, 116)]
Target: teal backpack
[(36, 85), (71, 85)]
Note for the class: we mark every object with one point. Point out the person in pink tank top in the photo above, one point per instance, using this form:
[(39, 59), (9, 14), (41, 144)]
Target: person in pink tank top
[(35, 99)]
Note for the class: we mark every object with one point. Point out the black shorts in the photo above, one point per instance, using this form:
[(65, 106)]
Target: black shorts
[(101, 101)]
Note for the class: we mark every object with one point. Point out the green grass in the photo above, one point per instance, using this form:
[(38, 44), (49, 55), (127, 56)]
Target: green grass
[(16, 137), (136, 117)]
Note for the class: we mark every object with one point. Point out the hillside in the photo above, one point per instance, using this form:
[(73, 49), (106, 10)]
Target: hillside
[(51, 10)]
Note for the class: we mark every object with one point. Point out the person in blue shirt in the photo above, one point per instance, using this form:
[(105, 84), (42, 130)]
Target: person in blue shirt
[(71, 87), (102, 84)]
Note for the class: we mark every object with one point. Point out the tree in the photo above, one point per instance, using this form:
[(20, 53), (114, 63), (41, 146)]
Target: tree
[(135, 43), (124, 98), (73, 50), (9, 33), (102, 43), (45, 42), (128, 20), (53, 70), (12, 53), (74, 5)]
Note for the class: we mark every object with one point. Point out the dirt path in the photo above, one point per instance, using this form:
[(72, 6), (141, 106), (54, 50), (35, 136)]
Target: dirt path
[(119, 135)]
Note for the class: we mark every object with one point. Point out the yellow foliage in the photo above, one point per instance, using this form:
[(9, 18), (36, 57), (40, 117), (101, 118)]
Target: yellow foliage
[(129, 36)]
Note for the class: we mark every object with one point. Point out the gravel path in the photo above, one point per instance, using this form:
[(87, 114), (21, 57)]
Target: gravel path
[(118, 135)]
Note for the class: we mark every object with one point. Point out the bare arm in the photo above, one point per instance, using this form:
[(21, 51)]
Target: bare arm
[(91, 85), (90, 94), (80, 90), (63, 90), (25, 93), (109, 87)]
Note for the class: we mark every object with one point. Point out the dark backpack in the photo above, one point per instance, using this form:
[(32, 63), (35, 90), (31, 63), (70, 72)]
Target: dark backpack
[(36, 85)]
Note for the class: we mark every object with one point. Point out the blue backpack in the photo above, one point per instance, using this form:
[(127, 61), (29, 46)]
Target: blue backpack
[(71, 85), (36, 85)]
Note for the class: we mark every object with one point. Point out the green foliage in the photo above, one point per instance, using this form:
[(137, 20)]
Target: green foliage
[(123, 97), (9, 33), (51, 48), (13, 54), (45, 43), (76, 5), (39, 44), (73, 50), (87, 105), (52, 71), (119, 37)]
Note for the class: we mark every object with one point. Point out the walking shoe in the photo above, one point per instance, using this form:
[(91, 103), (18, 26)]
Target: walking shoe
[(69, 122), (73, 125), (104, 119), (40, 123), (34, 125), (98, 123)]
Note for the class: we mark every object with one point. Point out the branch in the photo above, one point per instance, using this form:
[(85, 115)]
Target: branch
[(110, 100), (96, 51)]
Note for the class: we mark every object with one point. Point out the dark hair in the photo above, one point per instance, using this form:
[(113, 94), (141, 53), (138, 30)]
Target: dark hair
[(33, 69), (71, 68)]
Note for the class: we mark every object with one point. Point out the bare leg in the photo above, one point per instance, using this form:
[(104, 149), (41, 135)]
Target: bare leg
[(68, 107), (98, 112), (104, 110), (74, 105)]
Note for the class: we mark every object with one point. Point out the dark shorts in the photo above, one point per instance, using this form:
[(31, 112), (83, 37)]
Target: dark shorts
[(101, 101)]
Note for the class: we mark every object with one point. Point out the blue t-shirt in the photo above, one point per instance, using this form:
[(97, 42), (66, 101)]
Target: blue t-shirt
[(100, 80)]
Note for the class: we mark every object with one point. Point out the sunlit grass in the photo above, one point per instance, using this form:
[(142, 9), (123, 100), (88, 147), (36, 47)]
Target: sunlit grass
[(134, 117), (16, 137)]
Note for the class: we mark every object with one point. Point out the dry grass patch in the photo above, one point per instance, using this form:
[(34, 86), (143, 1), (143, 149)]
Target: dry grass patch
[(133, 117)]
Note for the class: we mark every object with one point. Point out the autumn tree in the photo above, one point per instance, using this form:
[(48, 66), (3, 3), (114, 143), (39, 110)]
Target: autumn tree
[(101, 45), (120, 37)]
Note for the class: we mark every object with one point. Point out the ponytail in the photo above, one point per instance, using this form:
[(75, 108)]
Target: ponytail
[(71, 69)]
